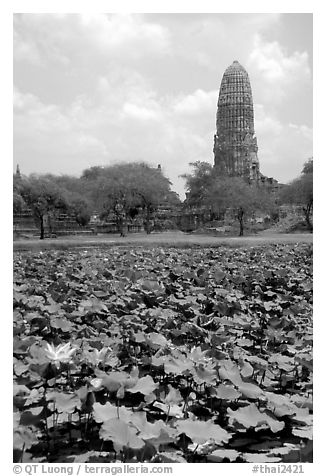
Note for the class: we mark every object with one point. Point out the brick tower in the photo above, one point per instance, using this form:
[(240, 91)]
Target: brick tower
[(235, 144)]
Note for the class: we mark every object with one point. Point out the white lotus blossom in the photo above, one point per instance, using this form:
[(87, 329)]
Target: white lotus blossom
[(97, 357), (96, 383), (61, 353)]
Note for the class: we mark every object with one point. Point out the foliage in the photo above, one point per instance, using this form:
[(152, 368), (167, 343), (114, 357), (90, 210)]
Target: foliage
[(235, 193), (218, 193), (18, 203), (126, 188), (300, 192), (79, 207), (43, 197), (68, 183), (163, 355), (92, 173), (65, 190), (197, 183), (76, 194), (308, 167)]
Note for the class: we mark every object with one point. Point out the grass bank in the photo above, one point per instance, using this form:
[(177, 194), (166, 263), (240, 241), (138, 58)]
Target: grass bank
[(168, 239)]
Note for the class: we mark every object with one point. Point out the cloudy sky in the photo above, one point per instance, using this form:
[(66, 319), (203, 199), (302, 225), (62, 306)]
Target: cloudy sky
[(99, 89)]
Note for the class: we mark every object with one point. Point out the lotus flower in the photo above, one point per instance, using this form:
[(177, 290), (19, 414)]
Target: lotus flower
[(61, 353), (97, 383), (102, 356)]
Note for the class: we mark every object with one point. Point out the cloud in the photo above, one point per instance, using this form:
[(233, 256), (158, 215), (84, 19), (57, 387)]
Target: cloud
[(282, 147), (125, 32), (26, 51), (198, 102), (96, 89), (271, 61), (275, 72), (138, 112), (51, 136), (165, 130), (265, 124), (126, 120), (212, 40), (81, 38), (303, 131)]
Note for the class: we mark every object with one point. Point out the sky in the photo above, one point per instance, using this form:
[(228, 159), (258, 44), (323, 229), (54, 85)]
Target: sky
[(97, 89)]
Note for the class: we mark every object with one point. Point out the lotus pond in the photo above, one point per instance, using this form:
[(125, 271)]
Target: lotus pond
[(163, 355)]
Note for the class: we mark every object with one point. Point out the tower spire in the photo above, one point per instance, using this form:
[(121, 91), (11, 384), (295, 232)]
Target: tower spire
[(235, 144)]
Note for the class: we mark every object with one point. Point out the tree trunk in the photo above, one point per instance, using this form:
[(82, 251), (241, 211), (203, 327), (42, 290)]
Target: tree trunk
[(240, 218), (121, 224), (241, 227), (307, 212), (120, 217), (120, 227), (42, 227), (123, 232), (148, 223), (50, 224)]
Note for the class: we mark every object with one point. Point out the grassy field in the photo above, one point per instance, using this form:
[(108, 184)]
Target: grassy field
[(177, 239)]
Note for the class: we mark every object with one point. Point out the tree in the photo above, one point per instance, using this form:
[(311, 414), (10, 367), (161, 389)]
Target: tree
[(43, 197), (126, 189), (150, 189), (235, 193), (92, 173), (79, 208), (18, 203), (69, 183), (197, 183), (112, 192), (308, 167), (76, 196), (207, 188), (300, 192)]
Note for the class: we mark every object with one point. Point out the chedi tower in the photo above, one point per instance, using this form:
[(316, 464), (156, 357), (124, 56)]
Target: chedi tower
[(235, 144)]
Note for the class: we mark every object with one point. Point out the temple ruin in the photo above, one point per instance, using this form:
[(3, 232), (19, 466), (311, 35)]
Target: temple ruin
[(235, 144)]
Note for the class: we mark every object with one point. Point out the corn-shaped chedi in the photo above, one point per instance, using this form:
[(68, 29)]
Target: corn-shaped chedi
[(235, 144)]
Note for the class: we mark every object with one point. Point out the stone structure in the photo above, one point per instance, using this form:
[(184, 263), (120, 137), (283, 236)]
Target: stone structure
[(235, 144)]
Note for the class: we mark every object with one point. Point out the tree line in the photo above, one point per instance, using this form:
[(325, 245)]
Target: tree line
[(205, 188), (122, 191), (300, 192)]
